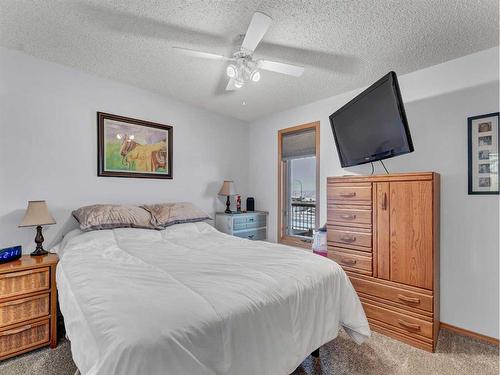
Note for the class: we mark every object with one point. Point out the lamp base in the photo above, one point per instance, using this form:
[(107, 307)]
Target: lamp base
[(39, 241), (38, 252), (228, 204)]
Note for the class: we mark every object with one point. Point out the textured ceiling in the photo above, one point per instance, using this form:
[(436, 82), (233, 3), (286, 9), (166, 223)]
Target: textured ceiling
[(342, 44)]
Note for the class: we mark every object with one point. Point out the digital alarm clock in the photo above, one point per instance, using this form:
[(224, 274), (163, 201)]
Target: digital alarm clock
[(10, 253)]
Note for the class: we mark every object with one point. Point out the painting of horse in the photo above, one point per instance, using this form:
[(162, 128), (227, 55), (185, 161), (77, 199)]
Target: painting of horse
[(133, 148)]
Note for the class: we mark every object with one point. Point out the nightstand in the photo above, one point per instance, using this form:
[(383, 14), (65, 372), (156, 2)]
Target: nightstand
[(251, 225), (28, 304)]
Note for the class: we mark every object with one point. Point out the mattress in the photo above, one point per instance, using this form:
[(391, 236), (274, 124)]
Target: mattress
[(192, 300)]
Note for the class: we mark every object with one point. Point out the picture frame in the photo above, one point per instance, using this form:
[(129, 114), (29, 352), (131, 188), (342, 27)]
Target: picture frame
[(133, 148), (483, 153)]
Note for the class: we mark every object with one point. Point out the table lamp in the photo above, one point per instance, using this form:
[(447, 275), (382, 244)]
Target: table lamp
[(228, 190), (37, 214)]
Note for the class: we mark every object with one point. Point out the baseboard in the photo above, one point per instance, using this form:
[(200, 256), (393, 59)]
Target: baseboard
[(465, 332)]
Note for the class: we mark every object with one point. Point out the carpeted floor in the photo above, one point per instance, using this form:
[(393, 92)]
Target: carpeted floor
[(380, 355)]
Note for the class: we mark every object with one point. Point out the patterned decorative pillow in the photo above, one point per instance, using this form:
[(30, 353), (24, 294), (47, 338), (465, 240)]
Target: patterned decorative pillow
[(166, 214), (109, 216)]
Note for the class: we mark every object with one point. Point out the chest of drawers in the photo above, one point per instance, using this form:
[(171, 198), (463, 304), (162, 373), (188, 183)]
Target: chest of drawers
[(28, 305), (384, 232), (250, 225)]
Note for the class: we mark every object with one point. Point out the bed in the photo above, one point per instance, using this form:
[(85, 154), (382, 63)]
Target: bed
[(191, 300)]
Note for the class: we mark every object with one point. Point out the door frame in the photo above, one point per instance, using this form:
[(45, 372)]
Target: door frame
[(282, 237)]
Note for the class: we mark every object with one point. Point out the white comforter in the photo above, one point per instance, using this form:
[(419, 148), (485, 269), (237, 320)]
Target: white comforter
[(191, 300)]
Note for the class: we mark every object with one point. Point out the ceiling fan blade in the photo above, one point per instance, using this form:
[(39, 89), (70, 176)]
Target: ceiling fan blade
[(205, 55), (230, 85), (273, 66), (256, 30)]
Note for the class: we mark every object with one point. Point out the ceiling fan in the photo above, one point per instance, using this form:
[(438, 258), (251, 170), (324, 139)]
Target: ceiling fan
[(243, 68)]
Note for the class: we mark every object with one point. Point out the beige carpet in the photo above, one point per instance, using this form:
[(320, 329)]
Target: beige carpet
[(380, 355)]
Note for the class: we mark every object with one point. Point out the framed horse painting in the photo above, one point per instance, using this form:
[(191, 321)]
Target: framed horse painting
[(129, 147)]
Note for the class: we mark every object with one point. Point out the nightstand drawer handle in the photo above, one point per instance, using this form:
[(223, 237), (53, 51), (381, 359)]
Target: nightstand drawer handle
[(408, 299), (410, 326), (18, 274), (14, 331), (348, 195), (13, 303), (348, 238), (348, 217), (348, 262), (251, 236)]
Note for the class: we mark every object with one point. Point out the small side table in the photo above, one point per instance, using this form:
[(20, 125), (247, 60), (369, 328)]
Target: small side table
[(251, 225), (28, 305)]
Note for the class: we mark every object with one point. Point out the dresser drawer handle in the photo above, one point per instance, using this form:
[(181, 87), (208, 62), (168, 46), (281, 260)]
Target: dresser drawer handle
[(348, 195), (408, 299), (348, 217), (410, 326), (348, 262), (14, 331), (348, 238)]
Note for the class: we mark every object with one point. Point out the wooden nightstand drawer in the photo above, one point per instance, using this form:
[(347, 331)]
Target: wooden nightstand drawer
[(24, 338), (24, 309), (24, 282)]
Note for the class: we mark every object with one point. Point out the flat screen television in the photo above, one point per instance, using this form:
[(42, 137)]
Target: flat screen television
[(373, 125)]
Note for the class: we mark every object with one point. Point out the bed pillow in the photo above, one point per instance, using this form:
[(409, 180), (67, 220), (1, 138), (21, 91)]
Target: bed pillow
[(109, 216), (166, 214)]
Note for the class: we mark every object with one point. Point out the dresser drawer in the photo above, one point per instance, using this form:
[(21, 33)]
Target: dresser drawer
[(348, 237), (21, 338), (256, 234), (394, 294), (401, 322), (23, 282), (24, 309), (349, 216), (352, 261), (345, 193)]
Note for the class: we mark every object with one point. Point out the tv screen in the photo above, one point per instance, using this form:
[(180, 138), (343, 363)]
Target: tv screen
[(373, 125)]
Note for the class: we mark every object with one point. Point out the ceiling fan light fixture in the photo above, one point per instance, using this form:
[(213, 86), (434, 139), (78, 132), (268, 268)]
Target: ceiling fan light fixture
[(238, 84), (255, 76), (231, 71)]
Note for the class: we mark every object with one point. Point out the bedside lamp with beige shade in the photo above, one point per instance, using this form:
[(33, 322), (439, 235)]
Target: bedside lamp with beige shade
[(228, 190), (37, 214)]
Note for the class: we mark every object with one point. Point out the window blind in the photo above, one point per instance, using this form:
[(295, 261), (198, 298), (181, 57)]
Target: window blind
[(298, 145)]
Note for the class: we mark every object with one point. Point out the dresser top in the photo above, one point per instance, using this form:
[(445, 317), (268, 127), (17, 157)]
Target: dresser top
[(384, 177), (29, 262), (243, 213)]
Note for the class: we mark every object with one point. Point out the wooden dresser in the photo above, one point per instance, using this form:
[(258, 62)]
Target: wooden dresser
[(384, 231), (28, 305)]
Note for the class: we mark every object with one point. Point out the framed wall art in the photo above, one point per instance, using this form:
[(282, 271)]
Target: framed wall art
[(129, 147), (483, 153)]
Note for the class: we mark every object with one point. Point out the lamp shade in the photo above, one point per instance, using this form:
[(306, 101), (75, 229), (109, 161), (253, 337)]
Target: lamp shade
[(228, 189), (36, 214)]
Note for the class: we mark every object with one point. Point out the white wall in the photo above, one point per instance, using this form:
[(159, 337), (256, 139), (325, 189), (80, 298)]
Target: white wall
[(438, 101), (48, 146)]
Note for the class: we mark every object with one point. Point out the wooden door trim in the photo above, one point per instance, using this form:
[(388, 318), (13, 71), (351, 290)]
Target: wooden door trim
[(282, 238)]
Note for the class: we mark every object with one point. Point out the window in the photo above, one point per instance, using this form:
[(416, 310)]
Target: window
[(298, 190)]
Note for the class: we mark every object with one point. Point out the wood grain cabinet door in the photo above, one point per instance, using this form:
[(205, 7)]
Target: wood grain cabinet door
[(411, 245)]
